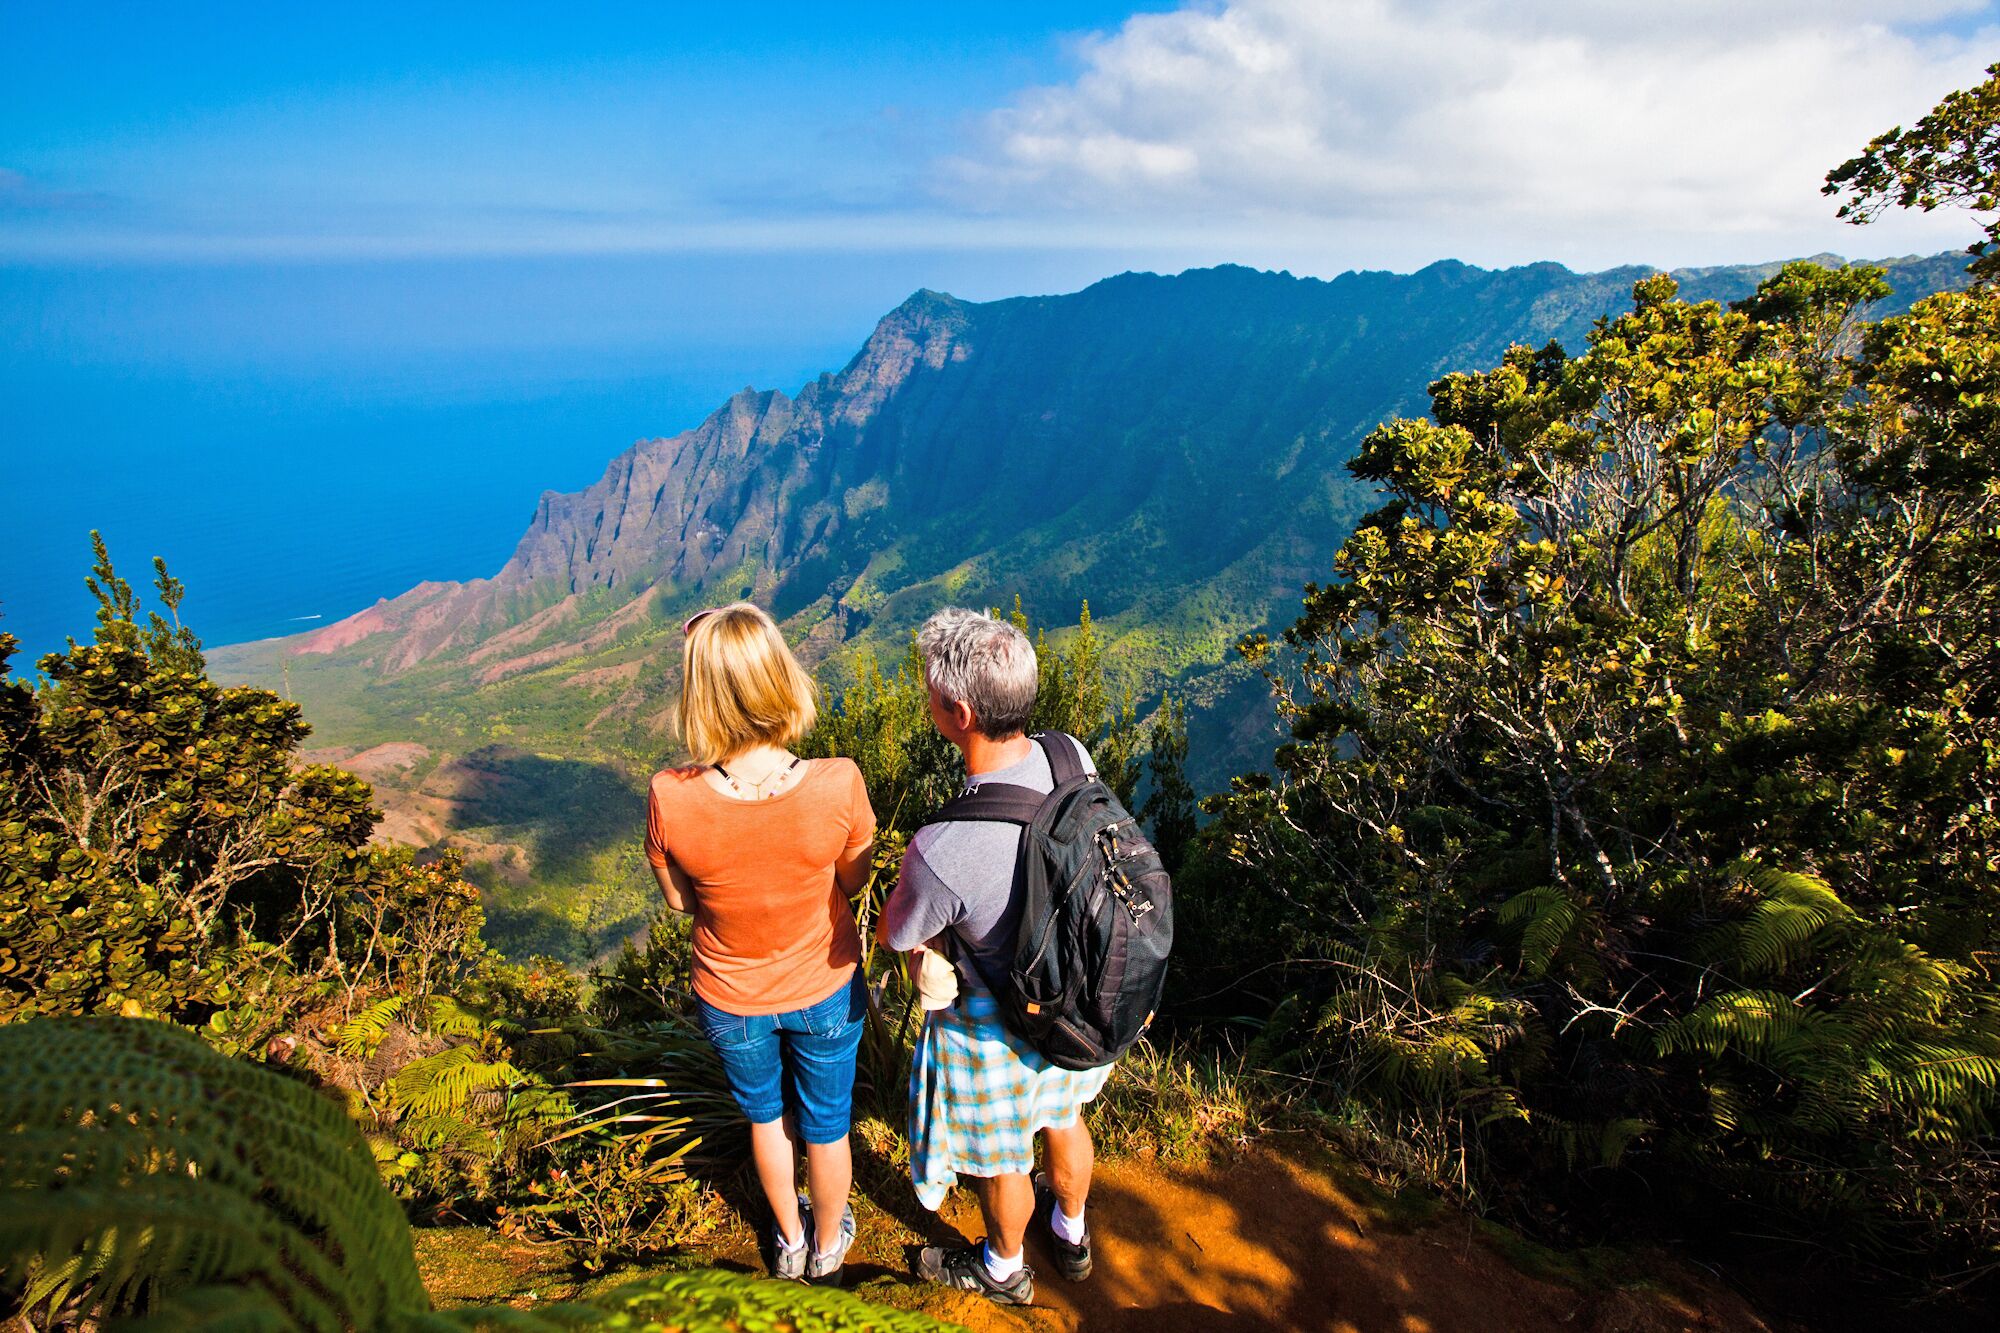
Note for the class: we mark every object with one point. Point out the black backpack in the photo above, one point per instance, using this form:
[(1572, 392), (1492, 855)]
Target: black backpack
[(1097, 913)]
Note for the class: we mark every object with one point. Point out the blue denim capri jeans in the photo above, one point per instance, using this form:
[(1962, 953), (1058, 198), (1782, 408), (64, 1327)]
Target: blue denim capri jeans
[(802, 1061)]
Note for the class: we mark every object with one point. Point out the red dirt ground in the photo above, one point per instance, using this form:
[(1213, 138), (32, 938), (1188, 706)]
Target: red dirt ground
[(1252, 1240), (1260, 1241)]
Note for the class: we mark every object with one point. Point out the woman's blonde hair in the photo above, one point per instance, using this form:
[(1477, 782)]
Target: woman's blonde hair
[(740, 685)]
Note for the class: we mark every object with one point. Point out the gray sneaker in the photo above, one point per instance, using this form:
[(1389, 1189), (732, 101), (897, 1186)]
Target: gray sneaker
[(1072, 1261), (964, 1267), (824, 1270), (790, 1264)]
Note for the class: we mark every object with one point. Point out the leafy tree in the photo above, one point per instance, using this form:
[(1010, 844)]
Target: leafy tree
[(163, 853), (1950, 158), (1075, 697), (1170, 806), (883, 723), (159, 844), (1640, 806)]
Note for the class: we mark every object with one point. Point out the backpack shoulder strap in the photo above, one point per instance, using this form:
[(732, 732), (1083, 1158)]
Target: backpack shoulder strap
[(1061, 752), (991, 802)]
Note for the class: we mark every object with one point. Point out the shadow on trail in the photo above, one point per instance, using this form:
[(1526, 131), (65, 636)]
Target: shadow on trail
[(1255, 1242), (887, 1186)]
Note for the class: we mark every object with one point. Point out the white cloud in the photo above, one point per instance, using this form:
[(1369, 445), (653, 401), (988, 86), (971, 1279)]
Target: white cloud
[(1490, 129)]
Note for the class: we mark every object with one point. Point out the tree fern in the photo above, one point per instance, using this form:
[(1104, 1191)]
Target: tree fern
[(164, 1165), (1545, 917), (448, 1081), (1784, 927)]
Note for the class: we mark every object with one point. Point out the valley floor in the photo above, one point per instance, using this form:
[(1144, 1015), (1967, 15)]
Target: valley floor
[(1261, 1238)]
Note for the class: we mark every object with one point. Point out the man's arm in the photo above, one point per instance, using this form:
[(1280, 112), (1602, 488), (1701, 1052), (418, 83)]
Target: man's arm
[(920, 907)]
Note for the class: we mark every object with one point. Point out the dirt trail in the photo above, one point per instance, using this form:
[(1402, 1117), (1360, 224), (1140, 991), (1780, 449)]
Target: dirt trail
[(1257, 1239), (1260, 1241)]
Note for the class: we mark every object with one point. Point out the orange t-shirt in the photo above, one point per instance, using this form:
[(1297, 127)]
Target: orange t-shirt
[(772, 930)]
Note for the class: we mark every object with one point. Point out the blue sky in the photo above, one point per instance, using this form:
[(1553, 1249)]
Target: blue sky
[(1309, 134), (300, 131), (314, 300)]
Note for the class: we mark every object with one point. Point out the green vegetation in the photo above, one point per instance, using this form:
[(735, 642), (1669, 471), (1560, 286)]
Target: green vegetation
[(1950, 158), (1635, 844), (142, 1172), (164, 854), (882, 722), (1631, 858)]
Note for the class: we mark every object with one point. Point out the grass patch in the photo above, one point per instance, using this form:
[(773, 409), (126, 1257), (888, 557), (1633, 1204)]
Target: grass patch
[(1172, 1105)]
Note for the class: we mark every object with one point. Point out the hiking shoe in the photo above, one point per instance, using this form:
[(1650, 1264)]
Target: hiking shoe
[(824, 1270), (1072, 1261), (964, 1267), (790, 1265)]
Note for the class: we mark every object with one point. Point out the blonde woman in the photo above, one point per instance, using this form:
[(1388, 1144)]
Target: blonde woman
[(763, 849)]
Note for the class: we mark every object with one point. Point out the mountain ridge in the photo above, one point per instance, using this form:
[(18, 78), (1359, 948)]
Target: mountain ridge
[(1169, 447)]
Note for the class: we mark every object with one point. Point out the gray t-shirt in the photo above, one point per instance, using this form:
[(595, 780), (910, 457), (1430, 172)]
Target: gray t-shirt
[(960, 877)]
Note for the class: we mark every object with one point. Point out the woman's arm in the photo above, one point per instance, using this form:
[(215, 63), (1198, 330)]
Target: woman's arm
[(679, 890), (851, 870)]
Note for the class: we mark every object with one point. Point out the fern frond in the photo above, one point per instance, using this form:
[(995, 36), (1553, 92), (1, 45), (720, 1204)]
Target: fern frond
[(1783, 928), (363, 1033), (1545, 917), (448, 1018), (1747, 1022), (440, 1084)]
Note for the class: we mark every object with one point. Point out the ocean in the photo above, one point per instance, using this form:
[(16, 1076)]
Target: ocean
[(298, 440)]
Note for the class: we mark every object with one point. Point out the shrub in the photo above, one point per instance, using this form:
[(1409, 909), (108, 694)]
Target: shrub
[(609, 1205), (163, 852), (1176, 1104)]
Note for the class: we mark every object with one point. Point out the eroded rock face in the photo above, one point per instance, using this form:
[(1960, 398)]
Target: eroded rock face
[(756, 484), (755, 489)]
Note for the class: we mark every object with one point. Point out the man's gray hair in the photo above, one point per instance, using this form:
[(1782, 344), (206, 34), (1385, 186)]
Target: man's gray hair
[(983, 663)]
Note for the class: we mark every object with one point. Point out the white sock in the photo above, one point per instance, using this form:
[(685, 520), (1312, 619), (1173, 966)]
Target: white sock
[(1001, 1270), (1068, 1229), (789, 1244)]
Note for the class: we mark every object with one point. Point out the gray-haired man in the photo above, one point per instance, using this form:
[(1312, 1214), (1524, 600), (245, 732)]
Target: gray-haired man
[(979, 1095)]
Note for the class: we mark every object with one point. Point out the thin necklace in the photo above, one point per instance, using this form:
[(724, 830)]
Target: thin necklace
[(775, 775)]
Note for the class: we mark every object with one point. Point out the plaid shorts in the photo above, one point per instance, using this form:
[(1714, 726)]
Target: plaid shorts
[(979, 1095)]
